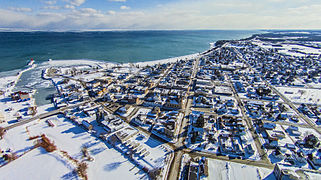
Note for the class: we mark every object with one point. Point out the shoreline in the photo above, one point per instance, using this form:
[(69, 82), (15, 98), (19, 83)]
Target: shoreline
[(176, 45), (80, 62), (13, 79)]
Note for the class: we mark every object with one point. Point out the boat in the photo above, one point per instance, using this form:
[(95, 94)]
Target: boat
[(31, 62), (49, 59)]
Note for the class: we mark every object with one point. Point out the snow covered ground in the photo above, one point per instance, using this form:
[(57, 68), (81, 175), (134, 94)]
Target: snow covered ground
[(5, 83), (234, 171), (301, 95), (104, 64), (291, 49), (169, 60), (78, 62), (108, 162), (25, 168)]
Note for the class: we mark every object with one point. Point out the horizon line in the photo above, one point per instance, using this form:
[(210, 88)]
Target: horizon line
[(119, 30)]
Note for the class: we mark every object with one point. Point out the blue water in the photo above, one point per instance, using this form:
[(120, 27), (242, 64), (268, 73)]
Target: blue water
[(120, 46)]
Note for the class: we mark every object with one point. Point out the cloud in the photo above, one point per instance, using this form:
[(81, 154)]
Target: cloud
[(52, 7), (88, 10), (117, 0), (20, 9), (124, 7), (12, 19), (76, 2), (50, 2), (68, 6), (186, 14), (111, 12)]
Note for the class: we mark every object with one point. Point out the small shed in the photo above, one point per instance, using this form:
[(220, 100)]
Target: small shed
[(87, 125)]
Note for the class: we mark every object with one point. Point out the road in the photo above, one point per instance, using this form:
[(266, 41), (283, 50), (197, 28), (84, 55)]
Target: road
[(175, 165), (284, 123), (249, 123), (260, 163)]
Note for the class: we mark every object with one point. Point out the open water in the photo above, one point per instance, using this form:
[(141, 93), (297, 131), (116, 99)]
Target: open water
[(16, 48)]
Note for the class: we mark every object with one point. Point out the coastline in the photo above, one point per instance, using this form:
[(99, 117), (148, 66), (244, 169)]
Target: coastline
[(111, 47), (10, 81), (98, 63)]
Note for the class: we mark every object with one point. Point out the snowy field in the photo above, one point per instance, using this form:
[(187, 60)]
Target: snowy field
[(79, 62), (25, 168), (301, 95), (234, 171), (5, 81), (107, 161), (290, 49)]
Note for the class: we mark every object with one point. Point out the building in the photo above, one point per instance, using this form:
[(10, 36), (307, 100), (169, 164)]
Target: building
[(284, 173), (87, 125), (31, 110), (20, 95), (193, 171), (173, 103)]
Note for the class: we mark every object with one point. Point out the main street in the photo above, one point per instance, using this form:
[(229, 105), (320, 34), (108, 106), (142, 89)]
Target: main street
[(249, 123), (175, 166)]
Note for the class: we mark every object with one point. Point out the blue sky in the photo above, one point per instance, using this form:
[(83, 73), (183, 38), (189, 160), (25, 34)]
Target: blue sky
[(63, 15)]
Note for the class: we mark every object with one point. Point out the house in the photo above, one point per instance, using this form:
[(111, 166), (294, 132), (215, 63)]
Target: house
[(128, 99), (249, 149), (274, 135), (126, 133), (193, 171), (111, 123), (113, 139), (239, 87), (222, 90), (228, 145), (292, 128), (169, 129), (269, 126), (290, 146), (140, 119), (87, 125), (278, 153), (173, 102), (31, 110), (283, 173), (20, 95), (95, 83), (316, 161)]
